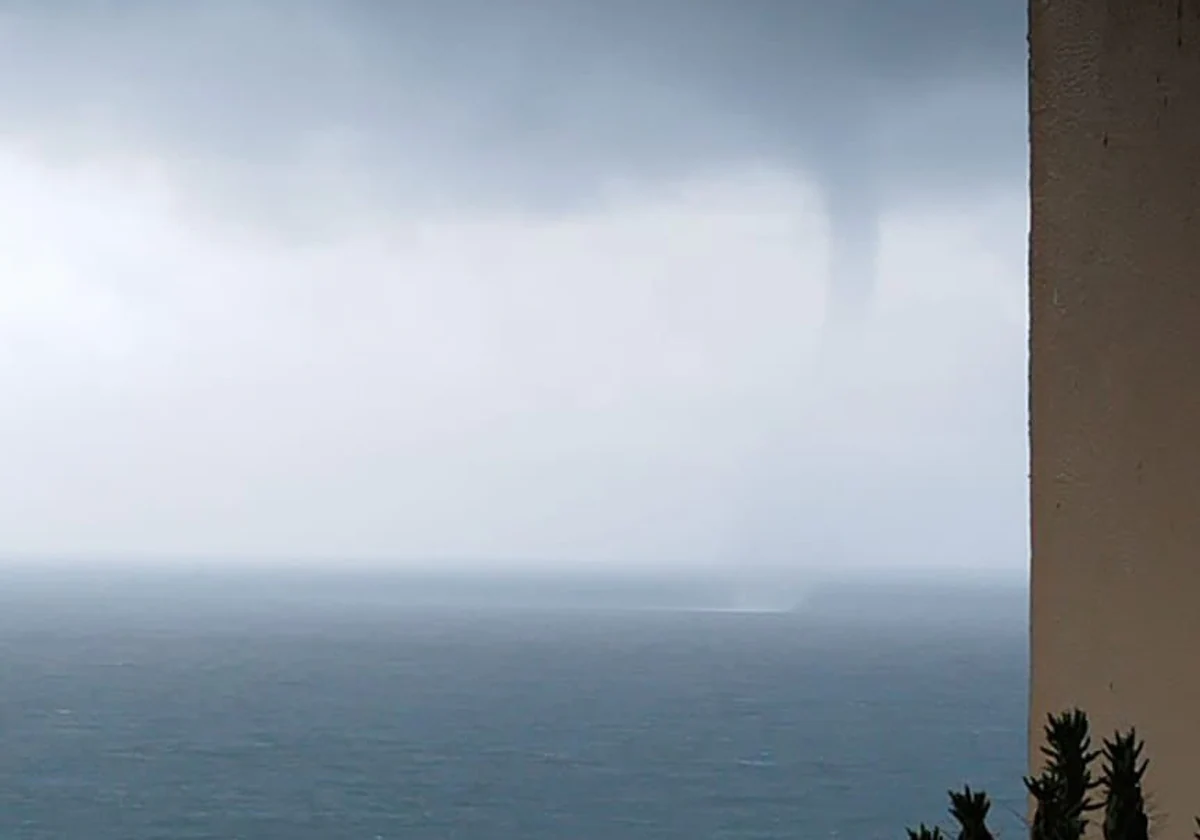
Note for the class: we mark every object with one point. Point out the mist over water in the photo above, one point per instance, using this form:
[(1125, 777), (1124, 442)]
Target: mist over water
[(49, 593)]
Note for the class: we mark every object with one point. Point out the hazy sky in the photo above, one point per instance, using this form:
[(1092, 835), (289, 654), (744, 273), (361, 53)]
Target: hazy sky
[(558, 281)]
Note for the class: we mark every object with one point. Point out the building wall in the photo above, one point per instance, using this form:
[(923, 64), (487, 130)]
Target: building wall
[(1115, 379)]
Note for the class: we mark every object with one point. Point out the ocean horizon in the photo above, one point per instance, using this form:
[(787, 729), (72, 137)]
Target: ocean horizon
[(262, 706)]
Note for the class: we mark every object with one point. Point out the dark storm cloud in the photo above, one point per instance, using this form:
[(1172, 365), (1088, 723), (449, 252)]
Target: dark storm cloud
[(527, 100), (536, 103), (286, 277)]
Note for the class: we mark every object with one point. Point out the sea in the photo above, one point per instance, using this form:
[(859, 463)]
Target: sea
[(143, 706)]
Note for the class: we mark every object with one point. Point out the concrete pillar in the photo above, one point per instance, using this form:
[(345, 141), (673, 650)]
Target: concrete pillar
[(1115, 379)]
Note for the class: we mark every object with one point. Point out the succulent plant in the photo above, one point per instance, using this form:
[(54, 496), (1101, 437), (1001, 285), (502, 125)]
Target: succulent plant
[(1124, 801), (970, 809), (1062, 790)]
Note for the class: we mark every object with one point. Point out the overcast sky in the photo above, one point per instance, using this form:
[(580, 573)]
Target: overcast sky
[(515, 281)]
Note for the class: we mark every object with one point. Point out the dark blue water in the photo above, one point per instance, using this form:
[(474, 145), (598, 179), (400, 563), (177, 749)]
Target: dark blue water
[(368, 723)]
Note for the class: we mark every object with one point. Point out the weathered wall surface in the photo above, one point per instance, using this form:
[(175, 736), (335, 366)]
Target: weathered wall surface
[(1115, 378)]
